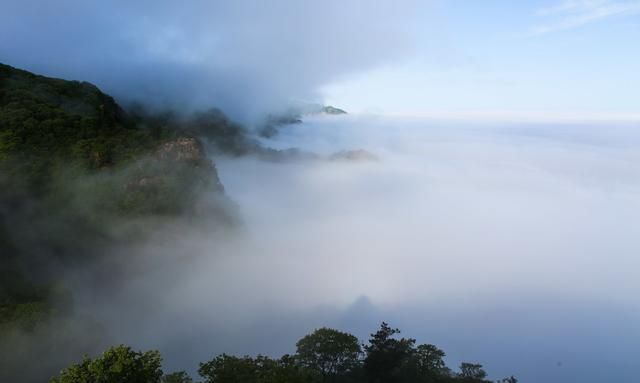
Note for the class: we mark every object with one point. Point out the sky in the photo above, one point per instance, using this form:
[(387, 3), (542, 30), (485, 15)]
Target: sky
[(551, 59), (543, 59), (249, 57), (497, 223)]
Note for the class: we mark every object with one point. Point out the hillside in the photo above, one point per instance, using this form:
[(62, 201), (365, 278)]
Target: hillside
[(74, 166)]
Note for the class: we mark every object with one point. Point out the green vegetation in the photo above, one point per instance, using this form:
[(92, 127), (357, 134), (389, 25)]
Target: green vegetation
[(329, 352), (48, 123), (74, 165), (118, 364), (324, 356)]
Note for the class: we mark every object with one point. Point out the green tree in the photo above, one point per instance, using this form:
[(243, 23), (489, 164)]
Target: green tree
[(472, 372), (227, 368), (261, 369), (386, 355), (429, 361), (118, 364), (177, 377), (329, 352)]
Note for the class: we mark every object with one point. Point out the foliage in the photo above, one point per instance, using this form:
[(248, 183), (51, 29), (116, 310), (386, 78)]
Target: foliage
[(326, 355), (177, 377), (329, 352), (472, 372), (429, 359), (73, 165), (118, 364), (261, 369), (385, 355), (44, 120)]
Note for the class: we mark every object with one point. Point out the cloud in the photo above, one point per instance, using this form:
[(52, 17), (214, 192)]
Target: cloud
[(576, 13), (477, 237), (243, 56)]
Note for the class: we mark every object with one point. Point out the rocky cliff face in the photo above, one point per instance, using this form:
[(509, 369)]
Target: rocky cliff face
[(182, 153), (186, 149)]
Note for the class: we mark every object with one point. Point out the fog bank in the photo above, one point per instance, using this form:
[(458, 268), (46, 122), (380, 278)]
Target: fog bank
[(511, 245)]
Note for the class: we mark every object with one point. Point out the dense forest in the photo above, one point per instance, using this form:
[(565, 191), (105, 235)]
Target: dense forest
[(324, 356)]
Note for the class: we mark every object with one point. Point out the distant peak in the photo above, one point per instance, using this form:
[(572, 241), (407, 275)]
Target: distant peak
[(332, 110)]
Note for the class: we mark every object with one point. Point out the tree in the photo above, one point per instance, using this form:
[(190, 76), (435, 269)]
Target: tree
[(429, 360), (177, 377), (472, 372), (329, 352), (226, 368), (261, 369), (386, 355), (118, 364)]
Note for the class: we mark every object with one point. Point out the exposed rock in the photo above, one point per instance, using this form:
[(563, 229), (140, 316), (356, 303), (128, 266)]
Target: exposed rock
[(186, 149), (178, 164)]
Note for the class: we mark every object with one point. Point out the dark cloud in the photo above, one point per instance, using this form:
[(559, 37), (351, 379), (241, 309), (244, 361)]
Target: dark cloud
[(246, 57)]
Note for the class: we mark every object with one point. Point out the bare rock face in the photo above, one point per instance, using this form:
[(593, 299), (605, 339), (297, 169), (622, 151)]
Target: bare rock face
[(187, 149), (174, 174)]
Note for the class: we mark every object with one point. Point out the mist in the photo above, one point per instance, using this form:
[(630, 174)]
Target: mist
[(248, 58), (509, 244)]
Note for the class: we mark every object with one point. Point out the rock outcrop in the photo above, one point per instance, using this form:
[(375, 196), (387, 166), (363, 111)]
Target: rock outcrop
[(187, 149)]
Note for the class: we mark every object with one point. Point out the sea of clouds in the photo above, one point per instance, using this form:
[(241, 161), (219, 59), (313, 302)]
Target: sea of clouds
[(514, 245)]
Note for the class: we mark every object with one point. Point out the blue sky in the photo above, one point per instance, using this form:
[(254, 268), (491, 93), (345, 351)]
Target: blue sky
[(573, 58)]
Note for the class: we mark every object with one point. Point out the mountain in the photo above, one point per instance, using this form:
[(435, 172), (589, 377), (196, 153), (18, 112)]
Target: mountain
[(270, 127), (332, 110), (80, 176)]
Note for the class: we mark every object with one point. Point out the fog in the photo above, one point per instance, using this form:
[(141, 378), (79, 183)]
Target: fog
[(511, 244), (514, 245), (245, 57)]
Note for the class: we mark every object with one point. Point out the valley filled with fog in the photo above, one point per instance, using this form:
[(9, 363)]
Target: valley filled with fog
[(499, 242), (227, 176)]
